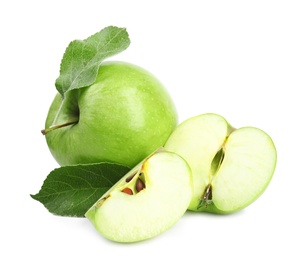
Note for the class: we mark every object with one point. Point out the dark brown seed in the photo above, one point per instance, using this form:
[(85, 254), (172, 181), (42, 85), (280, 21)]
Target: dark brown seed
[(140, 185), (129, 178), (128, 191)]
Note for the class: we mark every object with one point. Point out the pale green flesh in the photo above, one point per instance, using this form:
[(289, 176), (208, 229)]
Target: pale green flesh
[(128, 218), (246, 170), (237, 164)]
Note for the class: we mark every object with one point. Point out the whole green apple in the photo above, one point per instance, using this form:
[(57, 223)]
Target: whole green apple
[(122, 117)]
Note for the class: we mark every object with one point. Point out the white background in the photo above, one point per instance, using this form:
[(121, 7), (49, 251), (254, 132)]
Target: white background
[(241, 59)]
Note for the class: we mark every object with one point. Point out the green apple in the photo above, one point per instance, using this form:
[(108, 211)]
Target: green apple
[(121, 118), (231, 167), (148, 200)]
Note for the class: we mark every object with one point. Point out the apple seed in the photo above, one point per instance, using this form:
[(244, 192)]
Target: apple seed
[(140, 185), (129, 178), (127, 191)]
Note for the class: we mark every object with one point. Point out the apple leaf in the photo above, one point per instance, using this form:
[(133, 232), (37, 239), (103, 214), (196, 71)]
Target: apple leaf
[(81, 60), (72, 190)]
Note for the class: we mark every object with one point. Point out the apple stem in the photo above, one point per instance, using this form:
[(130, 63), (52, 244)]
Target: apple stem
[(47, 130)]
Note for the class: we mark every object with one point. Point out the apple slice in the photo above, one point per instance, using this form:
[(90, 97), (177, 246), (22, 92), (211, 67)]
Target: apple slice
[(148, 200), (231, 167)]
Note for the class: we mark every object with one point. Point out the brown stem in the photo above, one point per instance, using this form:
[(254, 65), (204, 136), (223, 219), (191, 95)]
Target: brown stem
[(47, 130)]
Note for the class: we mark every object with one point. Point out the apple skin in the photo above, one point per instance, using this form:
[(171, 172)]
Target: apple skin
[(122, 118)]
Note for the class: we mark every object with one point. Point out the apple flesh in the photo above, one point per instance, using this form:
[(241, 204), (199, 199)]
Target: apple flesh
[(121, 118), (148, 200), (231, 167)]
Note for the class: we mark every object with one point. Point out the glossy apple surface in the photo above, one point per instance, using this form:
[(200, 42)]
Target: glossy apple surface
[(122, 118), (231, 167), (147, 201)]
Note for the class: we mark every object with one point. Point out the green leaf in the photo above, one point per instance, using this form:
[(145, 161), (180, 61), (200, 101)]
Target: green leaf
[(72, 190), (81, 60)]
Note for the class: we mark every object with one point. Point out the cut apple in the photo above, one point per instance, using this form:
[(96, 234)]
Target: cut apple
[(145, 202), (231, 167)]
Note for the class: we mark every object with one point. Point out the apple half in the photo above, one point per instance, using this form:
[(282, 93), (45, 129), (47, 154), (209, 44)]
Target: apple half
[(148, 200), (230, 167)]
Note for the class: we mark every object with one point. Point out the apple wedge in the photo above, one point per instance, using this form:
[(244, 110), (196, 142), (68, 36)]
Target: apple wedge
[(148, 200), (230, 167)]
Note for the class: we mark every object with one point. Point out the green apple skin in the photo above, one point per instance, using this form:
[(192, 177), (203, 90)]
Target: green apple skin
[(122, 118), (126, 218), (248, 164)]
